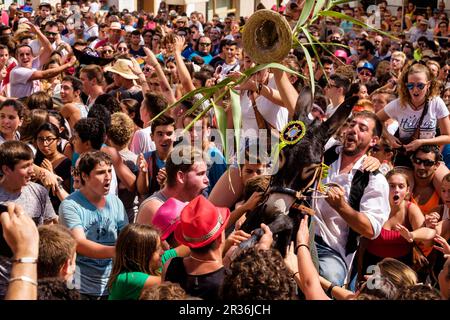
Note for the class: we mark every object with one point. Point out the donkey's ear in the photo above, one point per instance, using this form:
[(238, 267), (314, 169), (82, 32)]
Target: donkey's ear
[(304, 104), (332, 125)]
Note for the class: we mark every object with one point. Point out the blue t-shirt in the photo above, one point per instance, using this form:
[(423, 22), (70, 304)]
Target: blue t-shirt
[(206, 58), (99, 225)]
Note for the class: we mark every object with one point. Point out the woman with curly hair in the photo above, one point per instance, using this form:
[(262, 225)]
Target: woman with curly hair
[(419, 110), (258, 275)]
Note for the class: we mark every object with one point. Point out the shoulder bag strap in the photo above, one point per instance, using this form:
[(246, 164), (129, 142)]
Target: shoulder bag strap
[(416, 134), (262, 123)]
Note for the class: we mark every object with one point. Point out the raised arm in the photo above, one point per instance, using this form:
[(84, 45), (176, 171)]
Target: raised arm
[(183, 72), (165, 86), (50, 73), (309, 277), (46, 46), (286, 90), (22, 237)]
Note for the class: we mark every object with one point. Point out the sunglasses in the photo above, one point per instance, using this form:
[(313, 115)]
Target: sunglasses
[(411, 86), (204, 44), (52, 34), (425, 162), (367, 74)]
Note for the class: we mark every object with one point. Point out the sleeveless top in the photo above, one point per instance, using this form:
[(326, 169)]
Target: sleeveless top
[(390, 243), (206, 286), (158, 195), (426, 208), (432, 203)]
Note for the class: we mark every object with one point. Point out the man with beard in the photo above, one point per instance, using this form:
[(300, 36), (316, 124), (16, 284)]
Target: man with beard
[(185, 179), (357, 201), (95, 218), (426, 159)]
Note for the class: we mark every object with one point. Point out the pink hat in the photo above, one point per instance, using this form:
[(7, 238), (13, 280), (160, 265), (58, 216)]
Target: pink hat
[(201, 223), (341, 54), (167, 217)]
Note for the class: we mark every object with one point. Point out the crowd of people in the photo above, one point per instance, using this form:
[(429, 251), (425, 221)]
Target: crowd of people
[(107, 193)]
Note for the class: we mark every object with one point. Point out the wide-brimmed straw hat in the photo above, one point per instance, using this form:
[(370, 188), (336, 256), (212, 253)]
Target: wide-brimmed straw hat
[(267, 37), (123, 68), (201, 223)]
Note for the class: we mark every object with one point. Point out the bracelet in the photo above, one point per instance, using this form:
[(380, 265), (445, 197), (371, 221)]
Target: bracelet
[(300, 245), (295, 273), (25, 260), (24, 278), (330, 289)]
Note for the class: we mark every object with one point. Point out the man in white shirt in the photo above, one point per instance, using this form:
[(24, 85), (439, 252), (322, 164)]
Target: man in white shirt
[(25, 77), (339, 215), (91, 26)]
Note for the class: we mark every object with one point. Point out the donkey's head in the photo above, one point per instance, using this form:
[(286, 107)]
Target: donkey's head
[(300, 163)]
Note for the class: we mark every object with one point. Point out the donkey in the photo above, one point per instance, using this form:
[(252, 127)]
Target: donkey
[(299, 168)]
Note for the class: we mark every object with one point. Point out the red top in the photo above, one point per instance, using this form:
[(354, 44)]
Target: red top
[(389, 243)]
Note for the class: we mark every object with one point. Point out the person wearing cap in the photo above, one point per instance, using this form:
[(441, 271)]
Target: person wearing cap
[(25, 77), (365, 72), (45, 10), (420, 31), (115, 34), (123, 76), (185, 179), (27, 12)]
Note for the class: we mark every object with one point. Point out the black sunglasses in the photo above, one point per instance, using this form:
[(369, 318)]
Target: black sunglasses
[(425, 162)]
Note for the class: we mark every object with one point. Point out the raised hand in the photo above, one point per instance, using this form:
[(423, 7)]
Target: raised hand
[(443, 247), (432, 219), (404, 232), (266, 240), (142, 163), (303, 232)]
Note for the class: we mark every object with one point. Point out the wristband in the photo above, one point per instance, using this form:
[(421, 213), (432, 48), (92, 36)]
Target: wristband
[(25, 260), (24, 278), (330, 289), (300, 245)]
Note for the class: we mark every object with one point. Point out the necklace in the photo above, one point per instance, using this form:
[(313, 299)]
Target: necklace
[(201, 260)]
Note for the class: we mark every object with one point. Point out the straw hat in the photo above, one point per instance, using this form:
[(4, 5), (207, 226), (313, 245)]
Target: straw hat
[(267, 37), (122, 67)]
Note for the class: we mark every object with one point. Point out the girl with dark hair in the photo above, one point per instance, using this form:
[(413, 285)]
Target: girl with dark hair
[(49, 158), (11, 117), (138, 257)]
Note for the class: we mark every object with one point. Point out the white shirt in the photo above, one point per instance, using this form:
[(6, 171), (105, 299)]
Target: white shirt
[(408, 118), (374, 205), (142, 142)]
